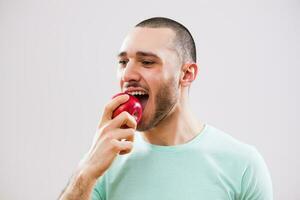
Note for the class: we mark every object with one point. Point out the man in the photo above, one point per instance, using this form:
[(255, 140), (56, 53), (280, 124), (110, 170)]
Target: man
[(173, 156)]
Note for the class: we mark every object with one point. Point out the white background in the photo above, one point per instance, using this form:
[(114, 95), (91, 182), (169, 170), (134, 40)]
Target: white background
[(58, 69)]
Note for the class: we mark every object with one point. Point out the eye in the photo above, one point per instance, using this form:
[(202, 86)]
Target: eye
[(123, 62), (147, 62)]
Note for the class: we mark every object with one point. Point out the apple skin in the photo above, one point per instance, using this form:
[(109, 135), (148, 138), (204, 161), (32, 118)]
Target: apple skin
[(132, 106)]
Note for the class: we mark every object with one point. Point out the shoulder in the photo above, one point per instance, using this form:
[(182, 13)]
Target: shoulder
[(245, 160), (231, 152), (218, 141)]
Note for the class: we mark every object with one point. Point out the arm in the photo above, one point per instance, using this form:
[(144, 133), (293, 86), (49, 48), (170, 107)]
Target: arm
[(79, 187), (256, 181), (110, 140)]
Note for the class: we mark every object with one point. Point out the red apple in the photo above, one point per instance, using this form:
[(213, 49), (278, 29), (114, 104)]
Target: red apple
[(132, 106)]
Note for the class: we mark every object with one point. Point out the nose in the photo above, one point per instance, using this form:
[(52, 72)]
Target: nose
[(130, 72)]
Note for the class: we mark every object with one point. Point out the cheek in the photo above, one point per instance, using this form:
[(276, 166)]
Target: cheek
[(119, 77), (153, 81), (170, 72), (152, 77)]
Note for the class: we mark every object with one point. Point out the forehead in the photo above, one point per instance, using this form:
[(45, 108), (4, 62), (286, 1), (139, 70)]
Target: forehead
[(145, 39)]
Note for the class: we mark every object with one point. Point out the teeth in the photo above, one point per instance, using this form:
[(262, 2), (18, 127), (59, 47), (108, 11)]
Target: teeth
[(137, 93)]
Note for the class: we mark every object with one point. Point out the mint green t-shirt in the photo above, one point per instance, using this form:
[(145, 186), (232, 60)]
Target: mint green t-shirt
[(212, 166)]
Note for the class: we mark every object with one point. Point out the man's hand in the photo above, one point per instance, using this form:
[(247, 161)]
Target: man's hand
[(109, 141)]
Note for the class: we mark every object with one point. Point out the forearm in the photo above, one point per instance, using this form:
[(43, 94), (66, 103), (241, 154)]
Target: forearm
[(109, 141), (79, 187)]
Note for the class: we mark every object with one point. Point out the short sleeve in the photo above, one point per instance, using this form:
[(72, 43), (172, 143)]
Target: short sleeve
[(99, 190), (256, 181)]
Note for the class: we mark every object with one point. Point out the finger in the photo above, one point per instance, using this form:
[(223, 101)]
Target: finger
[(124, 134), (123, 119), (121, 146), (111, 106)]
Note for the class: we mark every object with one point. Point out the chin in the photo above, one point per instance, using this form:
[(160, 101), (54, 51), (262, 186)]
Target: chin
[(143, 126)]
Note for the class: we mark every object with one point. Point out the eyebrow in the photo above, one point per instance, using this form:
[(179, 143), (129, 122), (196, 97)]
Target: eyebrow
[(139, 53)]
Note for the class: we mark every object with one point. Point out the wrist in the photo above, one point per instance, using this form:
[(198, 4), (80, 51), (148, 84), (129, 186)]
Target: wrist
[(79, 187), (87, 174)]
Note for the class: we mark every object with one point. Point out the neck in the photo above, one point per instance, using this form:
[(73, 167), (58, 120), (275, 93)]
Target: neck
[(178, 127)]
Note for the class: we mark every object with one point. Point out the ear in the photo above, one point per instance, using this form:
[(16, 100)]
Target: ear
[(188, 74)]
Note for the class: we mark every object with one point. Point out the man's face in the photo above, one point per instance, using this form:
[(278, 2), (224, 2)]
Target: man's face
[(149, 63)]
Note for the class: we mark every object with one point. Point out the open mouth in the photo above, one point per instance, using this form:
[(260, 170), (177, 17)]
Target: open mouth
[(141, 96)]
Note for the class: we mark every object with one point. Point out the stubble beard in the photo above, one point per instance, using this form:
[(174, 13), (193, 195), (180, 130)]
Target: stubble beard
[(165, 100)]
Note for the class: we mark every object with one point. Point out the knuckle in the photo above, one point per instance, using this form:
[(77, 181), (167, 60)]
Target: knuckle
[(134, 124), (114, 146), (107, 107), (125, 114), (132, 119), (108, 137), (105, 129)]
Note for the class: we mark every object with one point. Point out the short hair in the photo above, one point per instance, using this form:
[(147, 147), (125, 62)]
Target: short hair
[(184, 42)]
